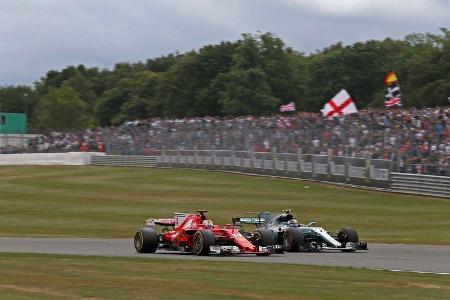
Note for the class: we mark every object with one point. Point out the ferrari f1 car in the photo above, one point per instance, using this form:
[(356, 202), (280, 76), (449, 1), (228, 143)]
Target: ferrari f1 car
[(194, 233), (295, 237)]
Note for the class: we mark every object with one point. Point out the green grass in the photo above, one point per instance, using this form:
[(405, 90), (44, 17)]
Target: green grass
[(26, 276), (113, 202)]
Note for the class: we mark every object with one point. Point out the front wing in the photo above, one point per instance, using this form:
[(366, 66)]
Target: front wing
[(224, 250)]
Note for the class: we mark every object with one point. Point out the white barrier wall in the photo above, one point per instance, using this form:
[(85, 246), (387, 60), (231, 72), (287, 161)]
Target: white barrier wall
[(71, 158)]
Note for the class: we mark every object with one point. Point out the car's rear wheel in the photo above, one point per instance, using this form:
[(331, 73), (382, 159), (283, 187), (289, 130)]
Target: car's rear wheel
[(291, 239), (146, 240), (202, 241), (263, 238), (345, 235)]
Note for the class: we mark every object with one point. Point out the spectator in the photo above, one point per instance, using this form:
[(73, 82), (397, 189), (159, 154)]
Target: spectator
[(416, 139)]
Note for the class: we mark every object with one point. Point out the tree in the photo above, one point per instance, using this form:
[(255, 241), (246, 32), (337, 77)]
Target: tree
[(246, 92), (428, 71), (109, 105), (252, 75), (17, 99), (62, 109), (142, 101)]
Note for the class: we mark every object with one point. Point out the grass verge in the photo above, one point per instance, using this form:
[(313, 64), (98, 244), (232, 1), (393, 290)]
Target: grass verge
[(91, 201), (30, 276)]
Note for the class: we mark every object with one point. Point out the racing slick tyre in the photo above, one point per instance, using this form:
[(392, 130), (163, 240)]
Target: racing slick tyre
[(146, 240), (345, 235), (202, 241), (291, 239), (263, 238)]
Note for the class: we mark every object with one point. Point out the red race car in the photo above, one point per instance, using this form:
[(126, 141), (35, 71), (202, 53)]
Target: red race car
[(194, 233)]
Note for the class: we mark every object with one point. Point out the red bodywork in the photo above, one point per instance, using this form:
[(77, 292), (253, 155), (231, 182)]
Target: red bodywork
[(182, 235)]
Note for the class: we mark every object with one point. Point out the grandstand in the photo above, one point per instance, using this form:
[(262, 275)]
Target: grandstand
[(416, 140), (13, 132)]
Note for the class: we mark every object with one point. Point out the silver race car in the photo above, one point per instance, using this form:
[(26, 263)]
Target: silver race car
[(295, 237)]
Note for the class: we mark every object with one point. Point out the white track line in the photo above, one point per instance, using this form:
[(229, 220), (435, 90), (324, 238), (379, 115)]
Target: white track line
[(412, 271)]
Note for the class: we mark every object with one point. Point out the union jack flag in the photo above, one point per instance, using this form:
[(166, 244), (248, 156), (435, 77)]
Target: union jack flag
[(287, 107), (393, 96)]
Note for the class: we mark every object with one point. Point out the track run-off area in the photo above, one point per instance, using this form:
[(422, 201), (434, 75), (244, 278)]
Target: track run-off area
[(392, 257)]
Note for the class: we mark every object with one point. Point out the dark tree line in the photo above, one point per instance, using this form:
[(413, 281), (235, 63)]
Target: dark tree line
[(251, 76)]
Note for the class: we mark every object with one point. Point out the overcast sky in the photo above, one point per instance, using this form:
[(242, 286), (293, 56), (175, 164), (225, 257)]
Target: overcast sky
[(39, 35)]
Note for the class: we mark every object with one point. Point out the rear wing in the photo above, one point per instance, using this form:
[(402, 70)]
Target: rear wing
[(163, 222), (238, 221)]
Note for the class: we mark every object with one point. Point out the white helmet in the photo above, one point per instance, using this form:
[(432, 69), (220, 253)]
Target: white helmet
[(208, 223)]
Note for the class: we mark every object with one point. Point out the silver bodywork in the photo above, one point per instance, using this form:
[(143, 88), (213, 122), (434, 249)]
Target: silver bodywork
[(326, 236)]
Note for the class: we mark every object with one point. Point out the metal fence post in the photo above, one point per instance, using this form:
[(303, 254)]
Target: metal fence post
[(329, 164), (274, 161), (314, 166), (252, 155), (163, 157), (299, 161), (195, 156), (367, 167), (347, 169), (213, 163)]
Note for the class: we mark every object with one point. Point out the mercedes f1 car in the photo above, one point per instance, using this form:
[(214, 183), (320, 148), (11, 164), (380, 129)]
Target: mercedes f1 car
[(295, 237), (194, 233)]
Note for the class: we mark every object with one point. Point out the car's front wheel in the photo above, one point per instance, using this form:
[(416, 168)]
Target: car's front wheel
[(292, 238), (263, 238), (202, 241), (345, 235)]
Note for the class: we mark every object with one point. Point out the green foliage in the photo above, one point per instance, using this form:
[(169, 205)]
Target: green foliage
[(110, 104), (91, 201), (53, 276), (246, 92), (429, 70), (18, 99), (252, 75), (183, 81), (62, 108)]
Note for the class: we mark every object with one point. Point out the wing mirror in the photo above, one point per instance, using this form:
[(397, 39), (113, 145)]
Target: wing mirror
[(311, 223)]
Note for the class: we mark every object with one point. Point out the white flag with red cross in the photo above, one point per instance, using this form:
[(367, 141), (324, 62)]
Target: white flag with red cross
[(341, 104)]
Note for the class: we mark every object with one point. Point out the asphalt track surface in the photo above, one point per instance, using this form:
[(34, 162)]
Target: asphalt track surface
[(393, 257)]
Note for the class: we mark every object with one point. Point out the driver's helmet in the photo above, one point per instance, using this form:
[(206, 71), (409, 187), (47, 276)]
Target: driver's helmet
[(208, 224), (293, 222)]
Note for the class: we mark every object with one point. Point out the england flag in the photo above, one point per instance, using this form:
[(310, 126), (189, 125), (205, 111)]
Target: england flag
[(341, 104)]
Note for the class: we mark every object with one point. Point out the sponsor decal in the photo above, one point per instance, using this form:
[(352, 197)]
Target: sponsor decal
[(357, 172), (306, 166), (379, 174), (252, 220), (320, 168), (165, 221), (338, 170)]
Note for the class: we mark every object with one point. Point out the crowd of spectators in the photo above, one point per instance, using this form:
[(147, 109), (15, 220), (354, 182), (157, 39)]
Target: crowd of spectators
[(417, 140), (54, 142)]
